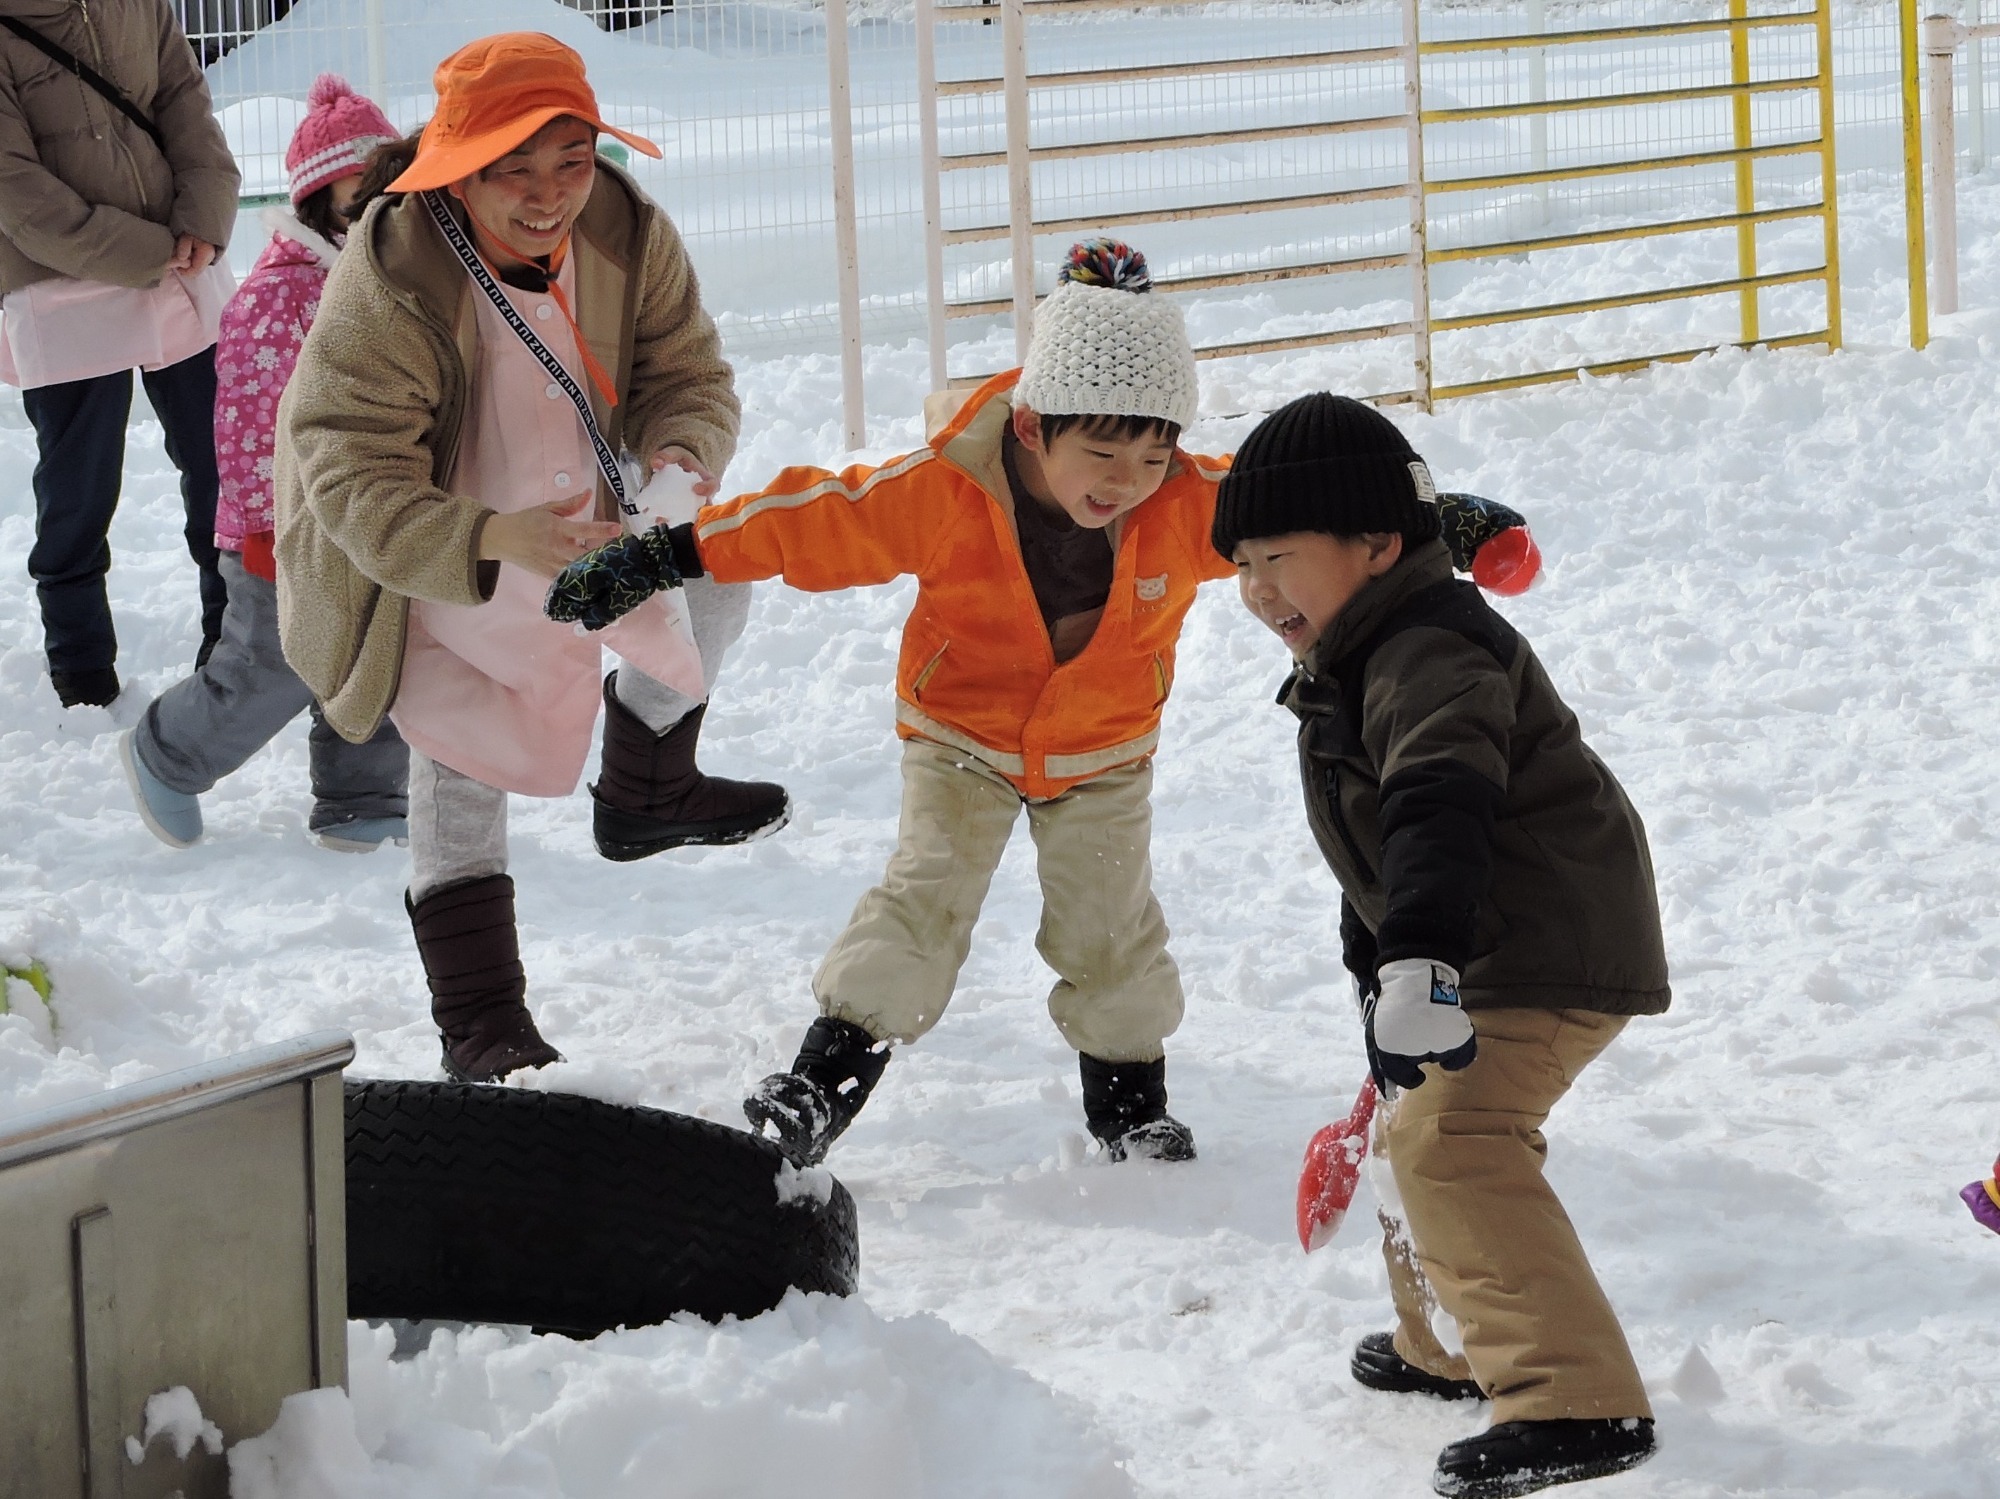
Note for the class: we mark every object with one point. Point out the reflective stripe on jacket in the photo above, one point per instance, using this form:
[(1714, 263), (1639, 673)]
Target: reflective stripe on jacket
[(977, 671)]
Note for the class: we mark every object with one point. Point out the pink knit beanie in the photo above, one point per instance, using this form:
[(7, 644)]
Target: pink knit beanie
[(340, 128)]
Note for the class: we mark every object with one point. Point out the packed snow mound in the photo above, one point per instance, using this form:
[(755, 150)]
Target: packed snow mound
[(819, 1397)]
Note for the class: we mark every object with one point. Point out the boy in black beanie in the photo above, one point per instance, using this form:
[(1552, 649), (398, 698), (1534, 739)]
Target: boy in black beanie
[(1498, 916)]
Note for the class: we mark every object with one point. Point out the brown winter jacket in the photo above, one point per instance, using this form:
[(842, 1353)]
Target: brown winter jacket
[(1450, 790), (84, 192), (369, 425)]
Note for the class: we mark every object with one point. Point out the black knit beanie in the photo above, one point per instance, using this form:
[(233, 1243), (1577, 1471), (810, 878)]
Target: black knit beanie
[(1324, 463)]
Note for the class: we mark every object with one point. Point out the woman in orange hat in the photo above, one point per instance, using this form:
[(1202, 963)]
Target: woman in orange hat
[(511, 324)]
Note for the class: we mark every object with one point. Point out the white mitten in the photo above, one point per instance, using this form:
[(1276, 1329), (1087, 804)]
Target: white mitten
[(1416, 1018)]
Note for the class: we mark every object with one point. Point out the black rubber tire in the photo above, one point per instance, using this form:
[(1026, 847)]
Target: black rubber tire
[(472, 1203)]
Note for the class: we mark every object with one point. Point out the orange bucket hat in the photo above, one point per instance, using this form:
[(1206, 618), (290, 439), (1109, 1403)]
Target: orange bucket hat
[(492, 95)]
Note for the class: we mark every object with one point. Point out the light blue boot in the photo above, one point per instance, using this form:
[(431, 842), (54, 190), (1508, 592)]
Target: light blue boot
[(363, 835), (174, 816)]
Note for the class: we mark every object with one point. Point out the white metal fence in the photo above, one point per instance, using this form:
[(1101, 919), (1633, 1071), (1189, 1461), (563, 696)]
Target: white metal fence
[(737, 94)]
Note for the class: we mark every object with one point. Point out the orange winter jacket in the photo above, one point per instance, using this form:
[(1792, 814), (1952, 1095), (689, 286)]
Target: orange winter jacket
[(977, 671)]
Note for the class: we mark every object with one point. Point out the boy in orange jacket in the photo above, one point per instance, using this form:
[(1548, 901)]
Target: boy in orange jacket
[(1057, 535)]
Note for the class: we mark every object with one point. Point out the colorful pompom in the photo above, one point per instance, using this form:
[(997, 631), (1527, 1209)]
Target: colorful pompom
[(1107, 262)]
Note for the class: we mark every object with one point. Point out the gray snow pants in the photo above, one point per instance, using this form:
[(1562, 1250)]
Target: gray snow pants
[(207, 725), (458, 825)]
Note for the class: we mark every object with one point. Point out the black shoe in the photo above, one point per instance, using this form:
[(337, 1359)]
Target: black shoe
[(807, 1109), (1161, 1139), (1519, 1457), (1125, 1107), (794, 1111), (97, 688), (650, 796), (1377, 1366)]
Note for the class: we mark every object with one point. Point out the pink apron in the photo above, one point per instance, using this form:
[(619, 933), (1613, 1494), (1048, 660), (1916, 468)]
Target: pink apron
[(59, 330), (499, 691)]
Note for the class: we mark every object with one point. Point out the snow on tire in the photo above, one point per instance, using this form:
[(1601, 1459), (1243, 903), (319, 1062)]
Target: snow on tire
[(483, 1204)]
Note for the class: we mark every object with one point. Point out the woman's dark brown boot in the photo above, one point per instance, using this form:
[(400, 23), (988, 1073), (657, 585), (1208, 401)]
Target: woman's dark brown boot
[(650, 796), (472, 957)]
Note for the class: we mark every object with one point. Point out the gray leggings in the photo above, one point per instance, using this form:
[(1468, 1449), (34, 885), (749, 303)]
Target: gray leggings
[(206, 726), (458, 825)]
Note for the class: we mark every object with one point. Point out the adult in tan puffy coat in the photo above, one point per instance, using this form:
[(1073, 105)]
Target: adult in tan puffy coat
[(434, 472), (104, 239)]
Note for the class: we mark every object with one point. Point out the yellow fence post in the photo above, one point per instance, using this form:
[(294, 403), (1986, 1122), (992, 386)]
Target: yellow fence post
[(1829, 181), (1913, 181), (1746, 167)]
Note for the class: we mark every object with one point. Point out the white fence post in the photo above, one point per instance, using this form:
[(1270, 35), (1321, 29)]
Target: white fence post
[(378, 71), (1942, 35), (927, 131), (1020, 172), (1420, 271), (1975, 59), (1538, 124), (840, 111)]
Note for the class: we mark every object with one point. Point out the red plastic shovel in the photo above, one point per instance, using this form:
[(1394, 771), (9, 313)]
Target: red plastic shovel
[(1333, 1170)]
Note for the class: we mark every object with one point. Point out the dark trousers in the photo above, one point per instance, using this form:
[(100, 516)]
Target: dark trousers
[(80, 434)]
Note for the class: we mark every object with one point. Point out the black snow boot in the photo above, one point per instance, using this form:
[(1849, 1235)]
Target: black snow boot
[(1125, 1107), (472, 957), (1378, 1366), (805, 1110), (1519, 1457), (650, 796), (95, 688)]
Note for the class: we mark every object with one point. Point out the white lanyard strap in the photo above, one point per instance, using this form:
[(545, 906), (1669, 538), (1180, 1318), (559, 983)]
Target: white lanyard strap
[(607, 461)]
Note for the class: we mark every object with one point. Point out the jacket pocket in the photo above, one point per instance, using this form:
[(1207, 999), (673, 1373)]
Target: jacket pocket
[(1163, 680), (930, 669), (1337, 818)]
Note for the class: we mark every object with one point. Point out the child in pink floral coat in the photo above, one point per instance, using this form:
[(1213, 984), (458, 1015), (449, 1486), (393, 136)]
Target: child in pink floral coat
[(207, 725)]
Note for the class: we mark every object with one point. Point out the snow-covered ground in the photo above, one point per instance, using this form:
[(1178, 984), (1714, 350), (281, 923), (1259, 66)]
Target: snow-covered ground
[(1772, 580)]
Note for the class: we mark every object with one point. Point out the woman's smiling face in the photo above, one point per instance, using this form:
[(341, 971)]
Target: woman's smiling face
[(528, 201)]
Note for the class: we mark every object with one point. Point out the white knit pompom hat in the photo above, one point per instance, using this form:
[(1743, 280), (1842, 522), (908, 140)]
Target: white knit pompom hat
[(1105, 345)]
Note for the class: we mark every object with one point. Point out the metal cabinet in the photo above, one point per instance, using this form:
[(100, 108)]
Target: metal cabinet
[(188, 1230)]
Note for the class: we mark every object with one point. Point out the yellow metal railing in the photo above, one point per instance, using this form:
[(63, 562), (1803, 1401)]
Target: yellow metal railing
[(1742, 157), (1754, 135), (1913, 179)]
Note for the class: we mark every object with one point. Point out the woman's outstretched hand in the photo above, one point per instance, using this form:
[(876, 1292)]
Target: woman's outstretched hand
[(705, 483), (543, 540)]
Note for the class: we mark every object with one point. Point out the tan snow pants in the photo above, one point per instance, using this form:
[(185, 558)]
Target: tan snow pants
[(1487, 1240), (1118, 993)]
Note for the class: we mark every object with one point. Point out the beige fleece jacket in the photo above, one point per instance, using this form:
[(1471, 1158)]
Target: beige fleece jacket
[(369, 427)]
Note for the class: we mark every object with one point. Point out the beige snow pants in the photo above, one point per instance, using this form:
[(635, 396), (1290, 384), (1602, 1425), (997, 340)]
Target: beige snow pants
[(1118, 993), (1487, 1240)]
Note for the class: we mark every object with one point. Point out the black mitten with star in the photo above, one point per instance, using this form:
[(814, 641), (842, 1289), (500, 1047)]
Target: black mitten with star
[(1470, 521), (611, 581)]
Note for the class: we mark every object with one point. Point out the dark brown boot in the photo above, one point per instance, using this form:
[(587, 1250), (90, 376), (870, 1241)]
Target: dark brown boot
[(650, 796), (472, 957)]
